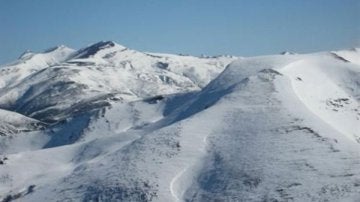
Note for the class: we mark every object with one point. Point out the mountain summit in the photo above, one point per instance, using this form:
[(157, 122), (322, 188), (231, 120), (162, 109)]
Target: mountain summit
[(94, 49), (49, 86)]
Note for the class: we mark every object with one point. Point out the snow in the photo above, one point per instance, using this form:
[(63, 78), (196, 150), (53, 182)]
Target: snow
[(37, 86), (328, 98), (350, 55), (123, 125)]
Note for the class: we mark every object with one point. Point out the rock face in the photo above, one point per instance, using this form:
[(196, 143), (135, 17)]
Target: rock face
[(106, 123)]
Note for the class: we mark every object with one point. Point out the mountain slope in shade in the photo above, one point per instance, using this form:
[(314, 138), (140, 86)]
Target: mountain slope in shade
[(269, 128)]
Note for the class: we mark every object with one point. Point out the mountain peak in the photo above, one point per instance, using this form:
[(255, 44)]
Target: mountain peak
[(26, 54), (355, 49), (92, 49), (287, 53), (59, 47)]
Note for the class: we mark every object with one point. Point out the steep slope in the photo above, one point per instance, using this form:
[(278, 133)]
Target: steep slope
[(61, 83), (264, 130), (333, 94), (272, 147), (12, 123)]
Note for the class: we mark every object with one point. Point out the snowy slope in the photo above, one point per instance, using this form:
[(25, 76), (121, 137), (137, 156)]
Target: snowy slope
[(30, 62), (49, 86), (12, 122), (269, 128)]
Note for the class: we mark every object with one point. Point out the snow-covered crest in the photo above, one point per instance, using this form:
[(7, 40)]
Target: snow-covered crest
[(38, 85)]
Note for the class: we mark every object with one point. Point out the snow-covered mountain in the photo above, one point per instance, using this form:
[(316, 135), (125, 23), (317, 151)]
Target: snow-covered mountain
[(51, 85), (106, 123)]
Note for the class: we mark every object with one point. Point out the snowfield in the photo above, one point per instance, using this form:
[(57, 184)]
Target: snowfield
[(107, 123)]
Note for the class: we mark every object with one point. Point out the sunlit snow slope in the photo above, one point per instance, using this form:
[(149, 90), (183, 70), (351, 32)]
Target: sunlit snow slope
[(112, 124), (52, 85)]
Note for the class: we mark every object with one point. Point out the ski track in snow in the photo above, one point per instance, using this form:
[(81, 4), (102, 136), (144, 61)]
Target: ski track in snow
[(173, 189)]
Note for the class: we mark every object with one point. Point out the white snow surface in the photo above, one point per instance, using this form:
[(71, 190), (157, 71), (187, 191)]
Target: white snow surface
[(46, 85), (113, 124)]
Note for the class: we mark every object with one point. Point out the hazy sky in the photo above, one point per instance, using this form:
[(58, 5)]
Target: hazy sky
[(236, 27)]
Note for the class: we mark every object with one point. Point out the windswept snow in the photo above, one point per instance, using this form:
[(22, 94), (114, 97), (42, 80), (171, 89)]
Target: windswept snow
[(114, 124), (333, 95)]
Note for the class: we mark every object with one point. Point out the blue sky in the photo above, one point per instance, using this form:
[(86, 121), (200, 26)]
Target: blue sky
[(236, 27)]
